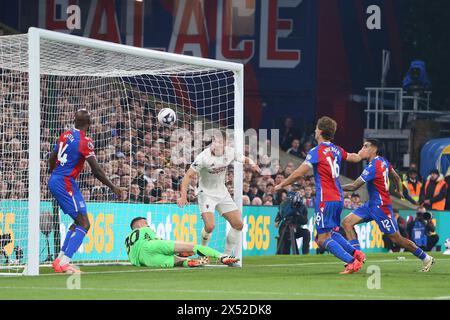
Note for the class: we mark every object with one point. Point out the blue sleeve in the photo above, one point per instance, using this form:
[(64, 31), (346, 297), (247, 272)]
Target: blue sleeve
[(312, 156), (56, 148), (368, 173)]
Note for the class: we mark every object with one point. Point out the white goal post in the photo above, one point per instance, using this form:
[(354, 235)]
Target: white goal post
[(133, 77)]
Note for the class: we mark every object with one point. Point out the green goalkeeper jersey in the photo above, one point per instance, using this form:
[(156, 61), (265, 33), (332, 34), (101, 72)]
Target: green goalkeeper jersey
[(135, 240)]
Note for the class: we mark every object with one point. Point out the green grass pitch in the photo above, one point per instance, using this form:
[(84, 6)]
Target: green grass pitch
[(261, 278)]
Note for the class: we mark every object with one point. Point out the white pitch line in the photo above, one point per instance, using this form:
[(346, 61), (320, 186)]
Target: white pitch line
[(245, 267), (258, 293), (203, 269)]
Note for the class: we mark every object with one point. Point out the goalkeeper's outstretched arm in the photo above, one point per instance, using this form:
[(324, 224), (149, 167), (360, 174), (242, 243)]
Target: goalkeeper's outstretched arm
[(184, 185)]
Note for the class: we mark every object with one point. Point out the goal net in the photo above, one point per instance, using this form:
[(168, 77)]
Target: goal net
[(45, 77)]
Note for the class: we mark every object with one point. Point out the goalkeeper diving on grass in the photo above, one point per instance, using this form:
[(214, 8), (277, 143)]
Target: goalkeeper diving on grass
[(145, 249)]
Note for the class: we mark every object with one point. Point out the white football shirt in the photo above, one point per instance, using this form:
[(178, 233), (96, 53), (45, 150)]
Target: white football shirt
[(212, 171)]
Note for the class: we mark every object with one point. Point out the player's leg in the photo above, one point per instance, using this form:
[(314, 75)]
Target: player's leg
[(335, 234), (189, 263), (410, 246), (202, 251), (161, 254), (235, 233), (325, 223), (69, 234), (358, 216), (229, 210), (207, 207), (208, 227), (157, 254), (389, 227), (71, 201)]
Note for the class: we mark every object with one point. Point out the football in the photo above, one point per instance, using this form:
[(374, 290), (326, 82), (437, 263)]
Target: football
[(167, 117)]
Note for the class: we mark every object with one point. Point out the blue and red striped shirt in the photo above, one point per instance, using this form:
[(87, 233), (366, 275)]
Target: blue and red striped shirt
[(72, 148), (326, 161), (376, 176)]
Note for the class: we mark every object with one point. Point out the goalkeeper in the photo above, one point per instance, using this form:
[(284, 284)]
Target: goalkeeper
[(144, 248)]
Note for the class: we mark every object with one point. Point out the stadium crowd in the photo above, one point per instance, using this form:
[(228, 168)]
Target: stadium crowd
[(135, 150)]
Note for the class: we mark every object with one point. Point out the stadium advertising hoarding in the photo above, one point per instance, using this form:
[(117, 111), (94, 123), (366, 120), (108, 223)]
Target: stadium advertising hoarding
[(110, 226)]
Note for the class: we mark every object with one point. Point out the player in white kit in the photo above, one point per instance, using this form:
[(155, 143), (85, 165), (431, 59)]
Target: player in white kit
[(211, 165)]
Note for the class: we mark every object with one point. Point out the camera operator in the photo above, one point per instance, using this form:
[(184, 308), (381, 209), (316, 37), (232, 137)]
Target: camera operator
[(292, 215), (422, 230)]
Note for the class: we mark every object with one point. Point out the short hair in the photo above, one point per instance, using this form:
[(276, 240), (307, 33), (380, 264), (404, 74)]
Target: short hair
[(376, 143), (135, 220), (328, 127)]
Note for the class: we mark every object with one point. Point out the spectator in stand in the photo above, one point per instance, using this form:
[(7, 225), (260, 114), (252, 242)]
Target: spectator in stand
[(245, 200), (447, 181), (347, 203), (412, 166), (422, 230), (309, 199), (356, 201), (412, 188), (307, 146), (135, 193), (256, 192), (257, 201), (301, 191), (295, 148), (435, 191), (288, 134), (402, 228)]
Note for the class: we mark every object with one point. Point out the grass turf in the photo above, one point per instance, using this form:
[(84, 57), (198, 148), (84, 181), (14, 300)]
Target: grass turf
[(272, 277)]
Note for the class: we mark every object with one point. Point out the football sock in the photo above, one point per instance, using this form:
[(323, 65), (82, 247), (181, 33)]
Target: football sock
[(419, 253), (336, 249), (185, 263), (66, 242), (205, 237), (232, 239), (204, 251), (355, 244), (75, 241), (336, 236)]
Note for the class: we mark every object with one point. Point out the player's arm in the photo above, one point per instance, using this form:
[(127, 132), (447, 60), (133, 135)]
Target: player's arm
[(52, 161), (398, 182), (297, 174), (246, 160), (252, 163), (99, 174), (353, 157), (355, 185), (184, 186)]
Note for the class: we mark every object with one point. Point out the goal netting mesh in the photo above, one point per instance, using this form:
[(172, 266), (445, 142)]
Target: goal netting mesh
[(123, 93)]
